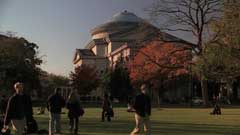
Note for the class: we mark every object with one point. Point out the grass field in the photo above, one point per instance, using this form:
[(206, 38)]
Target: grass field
[(164, 122)]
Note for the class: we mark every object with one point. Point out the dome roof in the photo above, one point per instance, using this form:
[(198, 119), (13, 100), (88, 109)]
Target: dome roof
[(126, 16), (120, 21)]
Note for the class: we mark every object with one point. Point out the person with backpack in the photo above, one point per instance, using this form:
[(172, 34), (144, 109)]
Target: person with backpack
[(216, 106), (55, 103), (74, 111), (142, 109), (107, 109), (19, 110)]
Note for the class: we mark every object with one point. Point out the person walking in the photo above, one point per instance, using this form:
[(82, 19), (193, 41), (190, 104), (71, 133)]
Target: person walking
[(142, 108), (55, 103), (107, 110), (19, 110), (75, 111)]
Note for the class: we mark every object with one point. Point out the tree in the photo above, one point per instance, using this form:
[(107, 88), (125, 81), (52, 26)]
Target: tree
[(19, 61), (117, 83), (223, 52), (84, 79), (222, 61), (191, 16), (51, 81), (157, 63)]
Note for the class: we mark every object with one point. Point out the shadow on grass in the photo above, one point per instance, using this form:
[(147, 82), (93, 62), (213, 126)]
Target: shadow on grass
[(91, 126), (193, 129)]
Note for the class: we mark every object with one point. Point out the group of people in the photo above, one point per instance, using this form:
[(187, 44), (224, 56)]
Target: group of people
[(55, 104), (19, 111)]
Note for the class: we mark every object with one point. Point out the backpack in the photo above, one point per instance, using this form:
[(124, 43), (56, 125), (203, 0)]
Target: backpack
[(81, 111), (110, 112), (31, 127)]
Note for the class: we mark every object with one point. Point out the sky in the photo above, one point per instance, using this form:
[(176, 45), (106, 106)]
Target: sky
[(58, 27)]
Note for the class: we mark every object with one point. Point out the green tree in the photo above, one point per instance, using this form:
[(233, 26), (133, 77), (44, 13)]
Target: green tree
[(19, 61), (117, 82), (84, 79), (50, 81)]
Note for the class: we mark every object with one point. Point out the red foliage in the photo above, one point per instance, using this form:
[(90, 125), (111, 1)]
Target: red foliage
[(160, 59)]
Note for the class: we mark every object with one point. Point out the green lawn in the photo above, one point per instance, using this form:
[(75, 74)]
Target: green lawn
[(164, 122)]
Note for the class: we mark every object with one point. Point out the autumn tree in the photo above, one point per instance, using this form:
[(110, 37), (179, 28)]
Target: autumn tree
[(84, 79), (190, 16), (19, 61), (158, 62)]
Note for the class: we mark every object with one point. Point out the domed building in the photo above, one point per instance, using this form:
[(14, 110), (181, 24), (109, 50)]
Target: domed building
[(119, 38), (118, 41)]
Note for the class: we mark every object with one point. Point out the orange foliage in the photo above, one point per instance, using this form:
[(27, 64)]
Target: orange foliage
[(160, 59)]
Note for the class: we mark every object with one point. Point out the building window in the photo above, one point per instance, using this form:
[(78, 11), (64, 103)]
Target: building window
[(236, 15)]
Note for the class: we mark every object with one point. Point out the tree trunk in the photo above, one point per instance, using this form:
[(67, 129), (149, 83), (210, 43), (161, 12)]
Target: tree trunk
[(155, 97), (229, 91), (205, 95), (158, 98)]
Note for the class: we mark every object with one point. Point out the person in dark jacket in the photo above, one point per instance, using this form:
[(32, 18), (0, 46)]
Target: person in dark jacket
[(55, 104), (216, 106), (73, 105), (106, 106), (19, 110), (142, 107)]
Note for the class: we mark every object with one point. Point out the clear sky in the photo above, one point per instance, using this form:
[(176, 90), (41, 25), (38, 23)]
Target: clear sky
[(61, 26)]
